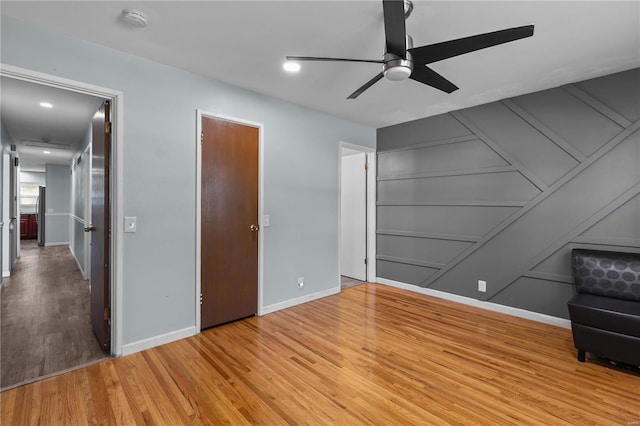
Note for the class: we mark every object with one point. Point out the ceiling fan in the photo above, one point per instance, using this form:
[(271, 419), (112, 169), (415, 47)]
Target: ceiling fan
[(402, 60)]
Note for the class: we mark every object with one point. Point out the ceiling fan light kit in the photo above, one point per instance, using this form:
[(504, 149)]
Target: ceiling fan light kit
[(401, 60)]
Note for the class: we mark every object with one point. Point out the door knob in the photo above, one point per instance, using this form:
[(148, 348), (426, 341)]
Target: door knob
[(254, 228), (90, 229)]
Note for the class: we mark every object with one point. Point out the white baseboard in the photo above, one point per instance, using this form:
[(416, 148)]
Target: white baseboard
[(516, 312), (84, 276), (6, 274), (298, 300), (62, 243), (162, 339)]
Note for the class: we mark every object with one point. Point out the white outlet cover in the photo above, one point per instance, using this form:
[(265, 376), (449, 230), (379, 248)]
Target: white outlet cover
[(482, 286), (130, 224)]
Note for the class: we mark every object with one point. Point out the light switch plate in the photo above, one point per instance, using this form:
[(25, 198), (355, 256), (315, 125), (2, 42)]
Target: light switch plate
[(130, 224), (266, 219)]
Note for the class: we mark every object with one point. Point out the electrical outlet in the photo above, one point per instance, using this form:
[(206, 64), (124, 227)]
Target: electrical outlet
[(300, 282), (482, 286)]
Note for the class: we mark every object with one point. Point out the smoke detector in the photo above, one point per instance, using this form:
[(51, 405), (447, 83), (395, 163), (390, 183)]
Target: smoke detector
[(135, 18)]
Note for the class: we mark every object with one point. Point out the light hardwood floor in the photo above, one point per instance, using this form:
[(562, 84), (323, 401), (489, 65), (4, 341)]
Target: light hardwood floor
[(44, 320), (369, 355), (346, 282)]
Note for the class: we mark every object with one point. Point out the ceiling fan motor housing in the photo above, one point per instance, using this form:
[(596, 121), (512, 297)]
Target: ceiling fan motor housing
[(396, 68)]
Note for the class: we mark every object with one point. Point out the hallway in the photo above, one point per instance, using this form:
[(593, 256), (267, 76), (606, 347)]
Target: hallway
[(44, 319)]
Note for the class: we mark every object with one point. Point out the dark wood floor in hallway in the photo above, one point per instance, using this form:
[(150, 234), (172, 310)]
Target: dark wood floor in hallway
[(44, 320)]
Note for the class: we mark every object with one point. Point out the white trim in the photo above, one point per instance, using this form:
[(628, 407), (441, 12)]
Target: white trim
[(162, 339), (299, 300), (6, 274), (57, 214), (260, 126), (508, 310), (117, 194), (370, 154), (58, 243), (76, 218), (77, 262)]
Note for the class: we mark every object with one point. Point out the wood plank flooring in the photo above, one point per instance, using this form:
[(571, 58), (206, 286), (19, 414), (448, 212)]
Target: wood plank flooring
[(44, 320), (346, 282), (370, 355)]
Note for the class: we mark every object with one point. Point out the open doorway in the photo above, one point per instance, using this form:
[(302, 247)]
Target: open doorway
[(357, 215), (48, 125)]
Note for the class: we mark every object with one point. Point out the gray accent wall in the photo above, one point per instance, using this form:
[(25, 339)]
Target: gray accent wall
[(502, 192), (301, 160), (57, 201)]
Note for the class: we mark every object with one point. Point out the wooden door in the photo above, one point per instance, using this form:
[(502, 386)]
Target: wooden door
[(100, 227), (14, 234), (229, 233)]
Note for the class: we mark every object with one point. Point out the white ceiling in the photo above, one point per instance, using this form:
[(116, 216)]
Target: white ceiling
[(244, 43), (64, 124)]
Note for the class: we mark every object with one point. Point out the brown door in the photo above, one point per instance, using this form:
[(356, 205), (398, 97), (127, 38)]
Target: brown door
[(100, 226), (229, 240)]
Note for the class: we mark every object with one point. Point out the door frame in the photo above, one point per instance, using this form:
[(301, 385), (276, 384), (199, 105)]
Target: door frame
[(370, 154), (117, 155), (260, 126)]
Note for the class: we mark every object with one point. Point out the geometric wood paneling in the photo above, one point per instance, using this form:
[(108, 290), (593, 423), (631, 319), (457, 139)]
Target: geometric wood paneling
[(525, 293), (422, 249), (456, 220), (490, 187), (538, 154), (452, 156), (619, 92), (578, 144), (402, 272), (570, 118), (436, 128), (624, 222)]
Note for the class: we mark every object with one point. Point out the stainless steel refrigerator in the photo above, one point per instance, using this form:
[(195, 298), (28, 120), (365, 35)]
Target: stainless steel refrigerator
[(40, 210)]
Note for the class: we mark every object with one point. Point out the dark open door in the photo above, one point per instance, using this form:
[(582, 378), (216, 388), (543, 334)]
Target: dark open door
[(100, 227), (229, 239)]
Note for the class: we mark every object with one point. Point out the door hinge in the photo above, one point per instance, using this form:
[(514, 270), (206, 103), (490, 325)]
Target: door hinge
[(201, 298), (202, 138), (107, 314), (107, 127), (365, 261), (366, 166)]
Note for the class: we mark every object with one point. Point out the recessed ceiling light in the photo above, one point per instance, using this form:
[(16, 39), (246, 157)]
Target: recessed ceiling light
[(47, 152), (46, 105), (291, 66)]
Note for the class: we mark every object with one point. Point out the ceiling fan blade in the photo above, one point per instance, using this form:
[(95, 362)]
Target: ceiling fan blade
[(448, 49), (394, 27), (314, 58), (368, 84), (426, 75)]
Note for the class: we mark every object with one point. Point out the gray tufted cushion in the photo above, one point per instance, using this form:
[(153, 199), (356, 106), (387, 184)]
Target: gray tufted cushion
[(607, 273)]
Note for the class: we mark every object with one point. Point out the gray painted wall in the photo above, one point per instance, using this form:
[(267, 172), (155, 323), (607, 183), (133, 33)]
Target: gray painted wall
[(57, 201), (301, 151), (502, 192)]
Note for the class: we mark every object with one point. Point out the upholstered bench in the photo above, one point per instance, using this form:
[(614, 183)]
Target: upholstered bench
[(605, 314)]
